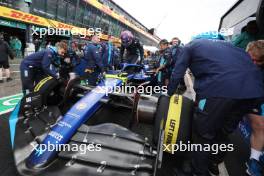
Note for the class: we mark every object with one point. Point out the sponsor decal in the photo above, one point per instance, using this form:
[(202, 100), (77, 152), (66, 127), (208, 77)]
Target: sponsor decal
[(28, 99), (37, 20), (25, 17), (170, 131), (56, 135), (33, 19), (81, 106), (64, 26), (73, 115), (64, 124)]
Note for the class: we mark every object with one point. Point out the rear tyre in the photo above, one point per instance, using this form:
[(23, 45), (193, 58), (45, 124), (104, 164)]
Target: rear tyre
[(184, 129), (50, 90)]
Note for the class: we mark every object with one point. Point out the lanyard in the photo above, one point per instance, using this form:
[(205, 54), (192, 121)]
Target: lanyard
[(109, 52), (162, 62)]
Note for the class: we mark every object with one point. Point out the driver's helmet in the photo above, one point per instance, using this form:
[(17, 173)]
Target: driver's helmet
[(126, 38), (211, 35)]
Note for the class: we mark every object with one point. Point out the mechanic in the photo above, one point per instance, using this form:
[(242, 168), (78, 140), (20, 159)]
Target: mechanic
[(40, 64), (93, 57), (76, 54), (117, 60), (176, 51), (133, 47), (163, 66), (5, 51), (250, 34), (108, 54), (256, 161), (228, 86), (68, 64)]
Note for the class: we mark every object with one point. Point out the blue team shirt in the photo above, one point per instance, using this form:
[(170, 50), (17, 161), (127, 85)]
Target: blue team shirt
[(42, 60), (93, 56), (108, 54)]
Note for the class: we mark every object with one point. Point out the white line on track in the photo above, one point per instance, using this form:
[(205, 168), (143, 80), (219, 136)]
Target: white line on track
[(6, 111), (11, 96)]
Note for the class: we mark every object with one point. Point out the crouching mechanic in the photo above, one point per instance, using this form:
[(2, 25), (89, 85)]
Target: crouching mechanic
[(40, 64), (133, 47), (228, 86)]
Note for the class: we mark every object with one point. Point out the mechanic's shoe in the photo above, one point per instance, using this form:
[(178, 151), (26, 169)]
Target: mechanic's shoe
[(254, 168), (1, 81), (8, 79), (213, 169)]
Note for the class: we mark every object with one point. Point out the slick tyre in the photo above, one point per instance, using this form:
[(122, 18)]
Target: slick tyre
[(174, 116), (50, 89)]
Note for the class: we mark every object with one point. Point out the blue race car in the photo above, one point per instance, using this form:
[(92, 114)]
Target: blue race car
[(56, 130)]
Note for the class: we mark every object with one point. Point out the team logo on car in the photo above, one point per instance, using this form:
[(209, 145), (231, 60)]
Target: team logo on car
[(28, 99), (81, 106)]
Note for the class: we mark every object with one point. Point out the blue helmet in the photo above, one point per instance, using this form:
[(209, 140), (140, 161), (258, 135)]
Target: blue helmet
[(211, 35), (126, 38)]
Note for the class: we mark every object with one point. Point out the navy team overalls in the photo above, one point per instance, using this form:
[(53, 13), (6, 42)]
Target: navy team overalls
[(165, 60), (228, 86), (36, 66), (108, 55), (93, 57)]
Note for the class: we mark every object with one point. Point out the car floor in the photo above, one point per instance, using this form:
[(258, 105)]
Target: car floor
[(171, 165)]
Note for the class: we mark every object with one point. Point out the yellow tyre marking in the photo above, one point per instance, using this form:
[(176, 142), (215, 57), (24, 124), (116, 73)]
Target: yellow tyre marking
[(173, 121), (41, 83)]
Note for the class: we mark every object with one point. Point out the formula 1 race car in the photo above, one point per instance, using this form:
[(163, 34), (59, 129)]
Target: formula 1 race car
[(61, 127)]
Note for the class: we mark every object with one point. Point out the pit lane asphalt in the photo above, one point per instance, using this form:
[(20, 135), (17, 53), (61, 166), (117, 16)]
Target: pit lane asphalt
[(7, 167)]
